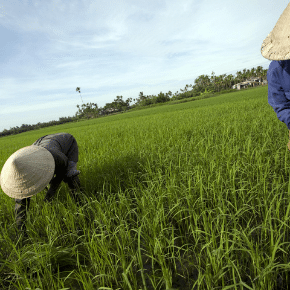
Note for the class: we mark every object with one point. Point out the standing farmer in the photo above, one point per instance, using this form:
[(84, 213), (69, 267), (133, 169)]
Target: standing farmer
[(276, 47), (49, 160)]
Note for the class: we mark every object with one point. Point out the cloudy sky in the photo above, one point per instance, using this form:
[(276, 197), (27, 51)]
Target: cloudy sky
[(120, 47)]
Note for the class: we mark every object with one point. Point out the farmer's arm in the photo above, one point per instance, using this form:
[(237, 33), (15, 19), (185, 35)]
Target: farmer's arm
[(54, 185), (277, 97), (60, 170)]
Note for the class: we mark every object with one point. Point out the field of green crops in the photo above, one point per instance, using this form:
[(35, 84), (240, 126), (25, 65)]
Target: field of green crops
[(186, 196)]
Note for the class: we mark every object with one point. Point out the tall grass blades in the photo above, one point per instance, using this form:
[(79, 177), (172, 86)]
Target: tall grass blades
[(187, 196)]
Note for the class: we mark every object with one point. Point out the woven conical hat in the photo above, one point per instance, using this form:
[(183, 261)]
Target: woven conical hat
[(27, 172), (276, 45)]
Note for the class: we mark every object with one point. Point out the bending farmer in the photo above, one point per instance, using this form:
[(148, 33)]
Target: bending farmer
[(49, 160)]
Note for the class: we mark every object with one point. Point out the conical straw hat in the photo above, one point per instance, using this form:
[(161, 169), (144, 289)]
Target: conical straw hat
[(276, 45), (27, 172)]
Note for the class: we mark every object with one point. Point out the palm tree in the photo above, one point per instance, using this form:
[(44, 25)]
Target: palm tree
[(198, 83), (239, 76), (186, 88), (253, 72), (204, 82), (244, 75), (232, 79), (224, 81), (212, 79), (259, 72), (248, 74), (207, 81), (78, 89), (229, 81), (218, 82)]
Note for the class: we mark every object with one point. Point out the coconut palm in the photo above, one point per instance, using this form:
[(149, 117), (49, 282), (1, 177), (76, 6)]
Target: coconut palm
[(229, 80), (212, 80), (218, 81), (239, 76), (224, 80), (78, 89), (259, 72), (207, 81), (253, 72), (248, 74), (232, 78)]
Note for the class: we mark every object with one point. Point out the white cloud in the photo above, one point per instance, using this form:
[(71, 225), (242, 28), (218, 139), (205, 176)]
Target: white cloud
[(111, 48)]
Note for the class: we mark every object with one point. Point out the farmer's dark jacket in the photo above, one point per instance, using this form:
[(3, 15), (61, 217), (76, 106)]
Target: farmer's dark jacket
[(63, 148), (55, 145), (278, 77)]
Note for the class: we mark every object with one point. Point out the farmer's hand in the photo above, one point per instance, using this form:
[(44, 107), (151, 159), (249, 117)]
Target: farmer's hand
[(54, 185), (49, 195)]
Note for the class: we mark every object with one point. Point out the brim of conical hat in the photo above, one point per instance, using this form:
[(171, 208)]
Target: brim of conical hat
[(276, 45), (27, 172)]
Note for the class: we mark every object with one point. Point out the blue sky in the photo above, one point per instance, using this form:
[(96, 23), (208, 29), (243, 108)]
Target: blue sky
[(120, 47)]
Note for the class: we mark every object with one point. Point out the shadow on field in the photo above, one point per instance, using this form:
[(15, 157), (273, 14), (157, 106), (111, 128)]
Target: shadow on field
[(120, 174)]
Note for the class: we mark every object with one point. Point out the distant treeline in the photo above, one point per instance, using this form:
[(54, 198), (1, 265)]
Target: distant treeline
[(202, 84)]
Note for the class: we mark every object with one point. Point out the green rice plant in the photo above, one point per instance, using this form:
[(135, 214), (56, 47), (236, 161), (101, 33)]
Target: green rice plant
[(187, 196)]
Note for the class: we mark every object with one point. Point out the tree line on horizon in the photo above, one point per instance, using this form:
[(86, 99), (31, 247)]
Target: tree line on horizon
[(203, 84)]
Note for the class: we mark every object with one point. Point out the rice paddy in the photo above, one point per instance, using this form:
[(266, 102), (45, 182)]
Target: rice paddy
[(186, 196)]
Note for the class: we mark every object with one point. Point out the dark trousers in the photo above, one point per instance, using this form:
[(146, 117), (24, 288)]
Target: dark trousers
[(21, 207)]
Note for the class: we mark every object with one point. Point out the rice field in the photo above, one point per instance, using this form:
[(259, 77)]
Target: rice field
[(186, 196)]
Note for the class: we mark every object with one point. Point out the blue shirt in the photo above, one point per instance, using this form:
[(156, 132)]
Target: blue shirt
[(278, 77)]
